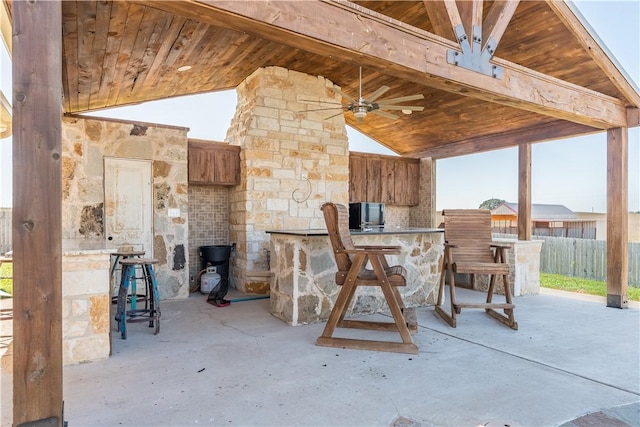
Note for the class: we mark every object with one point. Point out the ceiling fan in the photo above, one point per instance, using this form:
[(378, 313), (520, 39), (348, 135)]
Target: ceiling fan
[(363, 106)]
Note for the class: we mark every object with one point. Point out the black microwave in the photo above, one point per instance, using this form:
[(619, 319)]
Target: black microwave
[(366, 215)]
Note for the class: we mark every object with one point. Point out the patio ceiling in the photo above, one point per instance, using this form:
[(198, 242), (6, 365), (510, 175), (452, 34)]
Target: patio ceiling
[(557, 81)]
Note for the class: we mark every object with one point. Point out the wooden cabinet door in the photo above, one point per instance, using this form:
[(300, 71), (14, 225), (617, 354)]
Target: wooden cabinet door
[(357, 179), (413, 184), (213, 163), (387, 183), (384, 179), (401, 183), (201, 163), (374, 181), (226, 167)]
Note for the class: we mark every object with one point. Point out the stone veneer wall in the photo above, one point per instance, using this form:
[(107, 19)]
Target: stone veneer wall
[(85, 143), (523, 257), (208, 221), (85, 307), (279, 143)]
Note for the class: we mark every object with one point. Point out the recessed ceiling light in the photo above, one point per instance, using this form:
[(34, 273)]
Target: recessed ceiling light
[(184, 68)]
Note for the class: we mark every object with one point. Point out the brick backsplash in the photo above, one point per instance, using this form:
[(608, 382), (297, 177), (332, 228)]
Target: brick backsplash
[(208, 220)]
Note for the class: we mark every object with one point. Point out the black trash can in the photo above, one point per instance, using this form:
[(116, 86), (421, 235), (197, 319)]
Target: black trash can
[(216, 256)]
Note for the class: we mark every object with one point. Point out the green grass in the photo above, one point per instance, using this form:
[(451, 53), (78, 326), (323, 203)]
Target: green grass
[(6, 270), (580, 285)]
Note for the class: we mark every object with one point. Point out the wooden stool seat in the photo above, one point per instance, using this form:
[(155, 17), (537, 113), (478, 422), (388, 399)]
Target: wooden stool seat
[(138, 261), (151, 311)]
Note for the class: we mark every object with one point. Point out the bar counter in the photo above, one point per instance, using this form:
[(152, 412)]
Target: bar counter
[(303, 289)]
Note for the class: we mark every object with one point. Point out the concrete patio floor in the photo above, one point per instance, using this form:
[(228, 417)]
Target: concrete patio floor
[(239, 366)]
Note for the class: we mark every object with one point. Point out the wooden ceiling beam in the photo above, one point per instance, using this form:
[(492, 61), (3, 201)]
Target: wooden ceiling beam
[(497, 20), (439, 18), (595, 48), (544, 132), (348, 32), (470, 12)]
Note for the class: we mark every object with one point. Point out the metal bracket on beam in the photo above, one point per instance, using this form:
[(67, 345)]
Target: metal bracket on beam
[(474, 59)]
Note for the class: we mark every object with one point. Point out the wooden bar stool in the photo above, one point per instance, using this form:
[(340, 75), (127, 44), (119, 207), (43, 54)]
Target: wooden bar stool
[(151, 310)]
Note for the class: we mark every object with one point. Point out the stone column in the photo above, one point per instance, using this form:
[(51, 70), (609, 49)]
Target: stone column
[(291, 163)]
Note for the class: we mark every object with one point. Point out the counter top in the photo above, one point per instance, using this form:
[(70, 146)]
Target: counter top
[(72, 247), (323, 232)]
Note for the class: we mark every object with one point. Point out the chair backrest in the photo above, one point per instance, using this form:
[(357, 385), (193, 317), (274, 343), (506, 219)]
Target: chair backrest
[(336, 217), (470, 230)]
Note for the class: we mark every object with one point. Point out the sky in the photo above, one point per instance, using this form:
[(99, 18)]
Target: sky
[(570, 172)]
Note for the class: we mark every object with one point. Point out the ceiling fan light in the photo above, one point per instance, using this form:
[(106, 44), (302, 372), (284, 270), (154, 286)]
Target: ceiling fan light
[(360, 112), (407, 111)]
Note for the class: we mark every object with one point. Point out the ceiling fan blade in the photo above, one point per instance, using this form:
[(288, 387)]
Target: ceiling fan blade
[(319, 102), (320, 109), (344, 95), (401, 99), (378, 93), (335, 115), (400, 107), (384, 114)]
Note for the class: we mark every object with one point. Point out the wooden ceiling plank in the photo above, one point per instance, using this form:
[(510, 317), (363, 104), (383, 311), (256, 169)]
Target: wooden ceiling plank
[(231, 58), (596, 51), (170, 78), (86, 34), (556, 129), (417, 55), (70, 49), (134, 17), (117, 22), (439, 18), (186, 58), (497, 20), (162, 23), (168, 38), (134, 68), (103, 18)]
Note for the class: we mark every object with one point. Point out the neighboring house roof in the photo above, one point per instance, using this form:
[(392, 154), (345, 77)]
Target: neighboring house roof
[(538, 211)]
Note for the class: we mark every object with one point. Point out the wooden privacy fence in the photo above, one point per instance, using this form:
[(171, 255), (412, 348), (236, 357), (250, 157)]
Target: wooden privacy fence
[(5, 230), (586, 258)]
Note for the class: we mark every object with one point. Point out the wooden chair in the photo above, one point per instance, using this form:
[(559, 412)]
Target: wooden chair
[(469, 249), (352, 272)]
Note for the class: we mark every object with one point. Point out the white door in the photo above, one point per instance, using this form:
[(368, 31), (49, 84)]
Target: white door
[(128, 212)]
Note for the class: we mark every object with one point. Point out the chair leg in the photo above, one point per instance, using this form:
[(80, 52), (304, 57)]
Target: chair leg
[(409, 314), (508, 317), (447, 270), (344, 297), (336, 319)]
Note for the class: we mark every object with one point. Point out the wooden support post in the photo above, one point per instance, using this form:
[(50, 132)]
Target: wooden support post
[(617, 218), (524, 192), (37, 213)]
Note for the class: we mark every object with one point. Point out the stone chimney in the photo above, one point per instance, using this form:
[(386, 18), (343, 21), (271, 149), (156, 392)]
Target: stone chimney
[(291, 163)]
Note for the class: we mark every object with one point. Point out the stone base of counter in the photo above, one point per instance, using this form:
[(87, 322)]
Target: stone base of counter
[(303, 289), (86, 307)]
